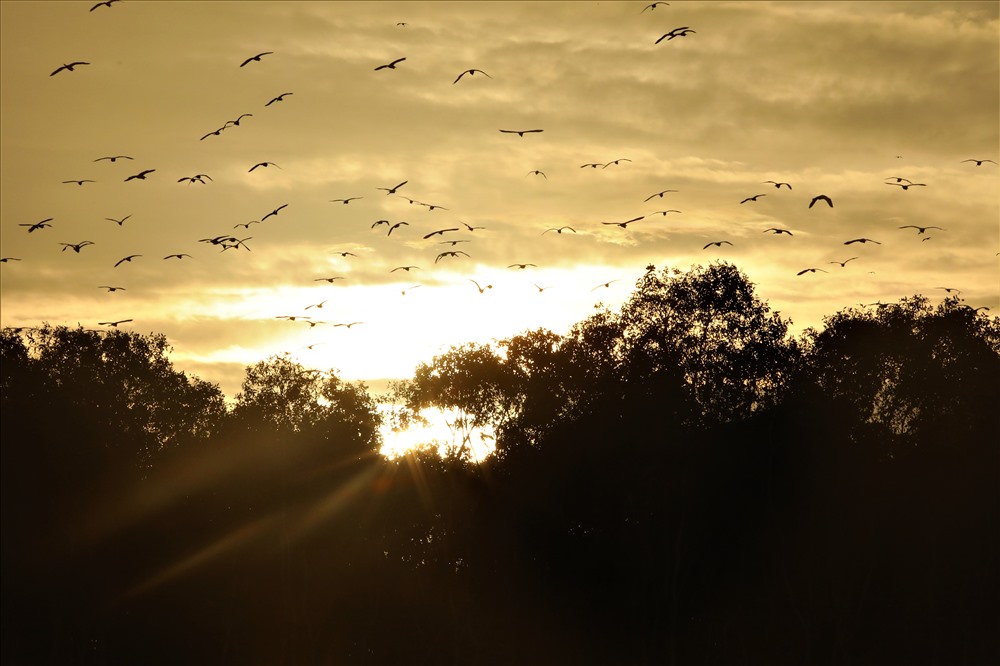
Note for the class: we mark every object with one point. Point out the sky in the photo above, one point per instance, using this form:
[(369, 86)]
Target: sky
[(837, 99)]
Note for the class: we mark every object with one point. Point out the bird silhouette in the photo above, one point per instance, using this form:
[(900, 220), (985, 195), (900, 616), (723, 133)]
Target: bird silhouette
[(654, 5), (113, 324), (113, 158), (481, 289), (624, 225), (615, 162), (664, 212), (405, 268), (120, 222), (470, 227), (716, 244), (777, 231), (318, 306), (4, 260), (521, 133), (471, 72), (141, 175), (378, 222), (255, 58), (412, 286), (347, 254), (604, 284), (451, 253), (540, 289), (811, 270), (263, 164), (110, 288), (129, 259), (950, 289), (328, 279), (536, 172), (106, 3), (861, 240), (440, 231), (348, 326), (237, 121), (391, 65), (345, 201), (558, 230), (453, 243), (392, 190), (777, 184), (76, 246), (197, 178), (522, 266), (920, 230), (69, 66), (273, 212), (753, 198), (432, 206), (979, 163), (821, 197), (676, 32), (658, 194), (898, 179), (38, 225), (176, 256), (279, 98), (907, 186), (396, 226), (292, 317), (215, 133), (79, 182), (843, 263), (592, 165)]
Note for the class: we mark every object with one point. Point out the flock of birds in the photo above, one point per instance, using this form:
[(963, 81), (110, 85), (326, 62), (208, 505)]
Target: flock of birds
[(451, 236)]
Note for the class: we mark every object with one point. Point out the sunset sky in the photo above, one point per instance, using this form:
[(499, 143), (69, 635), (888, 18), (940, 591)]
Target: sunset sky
[(832, 98)]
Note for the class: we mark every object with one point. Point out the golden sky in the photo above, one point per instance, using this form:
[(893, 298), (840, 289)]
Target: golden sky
[(832, 98)]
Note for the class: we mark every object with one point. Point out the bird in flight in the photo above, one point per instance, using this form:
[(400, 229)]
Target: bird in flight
[(471, 72), (113, 158), (481, 289), (129, 259), (624, 225), (979, 162), (4, 260), (237, 121), (76, 246), (197, 178), (558, 230), (950, 289), (79, 182), (522, 266), (592, 165), (898, 179), (106, 3), (396, 226), (176, 256), (658, 194), (273, 212), (536, 172), (676, 32), (255, 58), (653, 6), (118, 222), (453, 243), (291, 317), (113, 323), (843, 263), (615, 162), (391, 65), (348, 326), (328, 279), (346, 254), (861, 240), (664, 212), (777, 184), (716, 244), (263, 164), (907, 186), (440, 231), (452, 253), (412, 286), (540, 289), (777, 231), (378, 222), (521, 133), (811, 270), (392, 190), (69, 66), (110, 288), (753, 198), (345, 201), (604, 284), (317, 305), (470, 227), (821, 197), (215, 133), (141, 175), (405, 268), (279, 98), (920, 230), (38, 225)]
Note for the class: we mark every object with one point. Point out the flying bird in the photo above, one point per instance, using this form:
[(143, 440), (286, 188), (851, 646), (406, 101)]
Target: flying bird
[(481, 289), (197, 178), (176, 256), (558, 230), (540, 289), (405, 268), (392, 190), (391, 65), (76, 246), (604, 284), (716, 244), (141, 175), (664, 212), (658, 194), (452, 253), (113, 323), (317, 305), (69, 66), (440, 231), (291, 317), (106, 3), (907, 186), (471, 72), (470, 227), (328, 279), (536, 172), (237, 121), (412, 286), (79, 182), (113, 158), (820, 197), (118, 222), (453, 243), (110, 288), (811, 270), (676, 32), (129, 259), (615, 162), (263, 164), (345, 201), (898, 179), (215, 133), (861, 240), (653, 6), (843, 263), (347, 254), (279, 98), (396, 226), (777, 184), (920, 230), (38, 225), (950, 289), (624, 225), (978, 162), (255, 58), (777, 231), (753, 198), (4, 260), (348, 326), (521, 133), (378, 222), (522, 266), (592, 165), (273, 212)]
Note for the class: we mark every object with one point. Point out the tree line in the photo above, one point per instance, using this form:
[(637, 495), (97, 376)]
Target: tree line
[(680, 481)]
